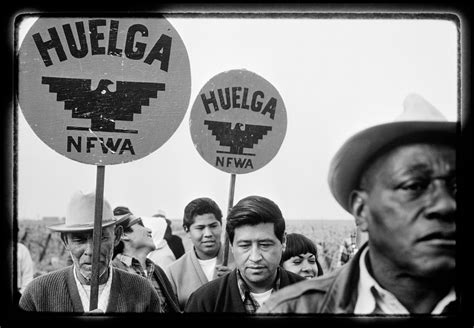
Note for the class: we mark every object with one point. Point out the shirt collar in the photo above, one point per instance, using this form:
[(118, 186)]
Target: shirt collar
[(373, 298), (244, 288), (130, 261), (104, 292), (125, 259)]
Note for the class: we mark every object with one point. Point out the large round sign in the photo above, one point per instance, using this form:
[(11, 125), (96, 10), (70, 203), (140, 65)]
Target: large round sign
[(104, 90), (238, 121)]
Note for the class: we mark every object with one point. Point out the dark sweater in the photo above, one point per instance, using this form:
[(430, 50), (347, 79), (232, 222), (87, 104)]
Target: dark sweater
[(57, 292), (223, 295)]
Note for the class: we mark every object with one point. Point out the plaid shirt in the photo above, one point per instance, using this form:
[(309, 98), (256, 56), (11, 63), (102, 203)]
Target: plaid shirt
[(134, 266), (250, 304)]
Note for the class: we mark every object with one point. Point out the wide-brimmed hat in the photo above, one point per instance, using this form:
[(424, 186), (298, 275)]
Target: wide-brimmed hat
[(80, 214), (419, 122)]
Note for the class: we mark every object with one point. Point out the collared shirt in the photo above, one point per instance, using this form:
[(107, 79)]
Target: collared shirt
[(134, 266), (373, 299), (250, 304), (85, 292)]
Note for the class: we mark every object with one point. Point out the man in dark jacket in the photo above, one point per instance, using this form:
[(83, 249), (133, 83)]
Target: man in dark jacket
[(399, 182), (256, 230), (131, 255)]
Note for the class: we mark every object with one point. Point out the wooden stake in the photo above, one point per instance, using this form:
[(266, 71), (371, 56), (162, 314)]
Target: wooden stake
[(99, 200), (230, 204)]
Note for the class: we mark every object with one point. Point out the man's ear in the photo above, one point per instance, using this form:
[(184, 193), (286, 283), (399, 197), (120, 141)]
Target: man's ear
[(118, 234), (64, 240), (186, 230), (359, 208)]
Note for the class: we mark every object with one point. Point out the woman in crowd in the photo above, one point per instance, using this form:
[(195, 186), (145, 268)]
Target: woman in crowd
[(301, 256)]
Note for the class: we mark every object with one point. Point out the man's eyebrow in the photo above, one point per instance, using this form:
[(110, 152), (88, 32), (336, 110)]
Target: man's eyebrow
[(416, 168), (424, 169)]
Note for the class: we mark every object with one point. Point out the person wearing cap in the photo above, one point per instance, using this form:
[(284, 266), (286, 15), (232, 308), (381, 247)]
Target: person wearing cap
[(202, 222), (256, 230), (131, 255), (399, 182), (69, 289)]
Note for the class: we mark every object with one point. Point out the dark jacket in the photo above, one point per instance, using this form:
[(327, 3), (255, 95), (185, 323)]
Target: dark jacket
[(176, 245), (223, 295), (160, 276), (332, 293), (57, 292)]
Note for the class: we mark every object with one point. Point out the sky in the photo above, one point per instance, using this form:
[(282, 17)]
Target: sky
[(335, 76)]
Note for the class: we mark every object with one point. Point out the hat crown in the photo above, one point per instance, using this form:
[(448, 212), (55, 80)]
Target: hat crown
[(417, 108), (81, 210)]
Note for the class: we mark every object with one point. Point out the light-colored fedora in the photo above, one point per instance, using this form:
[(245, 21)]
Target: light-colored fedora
[(80, 214), (419, 122)]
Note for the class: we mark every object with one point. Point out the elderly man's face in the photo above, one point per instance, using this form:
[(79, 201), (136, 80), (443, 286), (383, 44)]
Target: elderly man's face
[(80, 246), (411, 209)]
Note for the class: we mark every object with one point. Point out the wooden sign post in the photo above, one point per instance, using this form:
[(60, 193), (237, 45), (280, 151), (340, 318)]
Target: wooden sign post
[(96, 238), (103, 91)]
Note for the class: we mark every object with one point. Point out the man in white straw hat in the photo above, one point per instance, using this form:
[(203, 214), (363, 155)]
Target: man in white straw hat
[(399, 182), (68, 289)]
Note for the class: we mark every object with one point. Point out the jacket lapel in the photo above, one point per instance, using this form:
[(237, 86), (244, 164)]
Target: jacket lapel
[(197, 267), (115, 297), (73, 292), (341, 296)]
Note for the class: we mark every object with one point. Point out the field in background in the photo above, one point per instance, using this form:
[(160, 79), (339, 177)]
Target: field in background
[(49, 254)]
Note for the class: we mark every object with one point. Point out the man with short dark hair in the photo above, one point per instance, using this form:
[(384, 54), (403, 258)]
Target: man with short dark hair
[(256, 230), (202, 222), (68, 289), (399, 182), (131, 255)]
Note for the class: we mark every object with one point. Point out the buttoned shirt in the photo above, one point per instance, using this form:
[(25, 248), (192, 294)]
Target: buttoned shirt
[(134, 266), (373, 299), (104, 292), (250, 304)]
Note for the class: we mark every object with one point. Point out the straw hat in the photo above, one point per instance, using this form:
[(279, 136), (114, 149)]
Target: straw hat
[(420, 121), (80, 214)]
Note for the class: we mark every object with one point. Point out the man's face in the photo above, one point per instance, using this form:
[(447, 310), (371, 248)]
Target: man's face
[(411, 209), (205, 233), (80, 246), (139, 237), (257, 254)]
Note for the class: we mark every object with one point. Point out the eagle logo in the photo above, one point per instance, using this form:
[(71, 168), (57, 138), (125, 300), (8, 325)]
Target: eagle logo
[(237, 138), (102, 106)]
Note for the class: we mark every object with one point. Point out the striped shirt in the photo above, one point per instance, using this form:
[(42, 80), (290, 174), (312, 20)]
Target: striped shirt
[(134, 266)]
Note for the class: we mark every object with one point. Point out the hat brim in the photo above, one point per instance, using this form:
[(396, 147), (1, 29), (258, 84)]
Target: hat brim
[(353, 157), (83, 227)]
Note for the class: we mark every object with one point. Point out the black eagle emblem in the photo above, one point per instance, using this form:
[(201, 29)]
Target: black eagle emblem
[(102, 106), (237, 138)]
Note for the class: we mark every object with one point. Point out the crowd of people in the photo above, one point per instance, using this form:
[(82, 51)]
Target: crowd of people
[(398, 180)]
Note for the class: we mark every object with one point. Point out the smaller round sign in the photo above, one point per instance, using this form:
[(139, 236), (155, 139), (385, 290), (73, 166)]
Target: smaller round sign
[(238, 121)]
